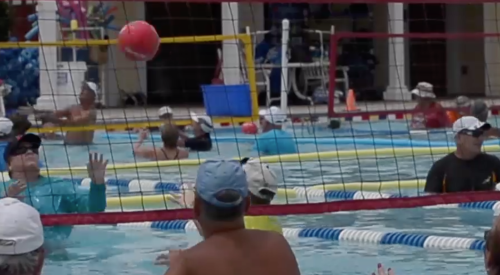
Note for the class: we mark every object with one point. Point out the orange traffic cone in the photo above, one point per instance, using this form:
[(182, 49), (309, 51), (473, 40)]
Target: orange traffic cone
[(351, 101)]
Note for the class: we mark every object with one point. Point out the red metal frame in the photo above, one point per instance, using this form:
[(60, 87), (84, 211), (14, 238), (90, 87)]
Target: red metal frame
[(334, 40)]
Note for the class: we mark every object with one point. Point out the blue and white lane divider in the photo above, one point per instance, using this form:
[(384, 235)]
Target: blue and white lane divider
[(340, 234), (146, 186)]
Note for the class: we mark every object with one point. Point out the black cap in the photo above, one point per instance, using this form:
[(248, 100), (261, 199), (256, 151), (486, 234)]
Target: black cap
[(33, 139)]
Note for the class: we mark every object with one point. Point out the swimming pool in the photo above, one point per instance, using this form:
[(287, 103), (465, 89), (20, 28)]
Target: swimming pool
[(129, 250)]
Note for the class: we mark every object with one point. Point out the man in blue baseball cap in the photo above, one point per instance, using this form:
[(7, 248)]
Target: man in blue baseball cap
[(221, 200)]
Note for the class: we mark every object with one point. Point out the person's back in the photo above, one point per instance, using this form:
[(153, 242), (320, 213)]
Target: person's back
[(221, 201), (242, 252), (276, 142)]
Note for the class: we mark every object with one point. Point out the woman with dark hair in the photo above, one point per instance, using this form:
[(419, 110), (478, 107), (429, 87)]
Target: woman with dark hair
[(169, 150)]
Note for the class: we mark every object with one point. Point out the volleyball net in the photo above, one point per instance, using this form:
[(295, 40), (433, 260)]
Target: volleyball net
[(391, 65), (335, 53)]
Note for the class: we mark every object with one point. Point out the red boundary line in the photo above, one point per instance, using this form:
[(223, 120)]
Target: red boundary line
[(273, 210)]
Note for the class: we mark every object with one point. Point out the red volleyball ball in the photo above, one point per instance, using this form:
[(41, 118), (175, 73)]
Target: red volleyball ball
[(139, 41), (249, 128)]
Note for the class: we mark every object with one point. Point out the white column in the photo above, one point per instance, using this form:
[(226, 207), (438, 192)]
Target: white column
[(397, 89), (230, 49), (47, 24), (491, 49)]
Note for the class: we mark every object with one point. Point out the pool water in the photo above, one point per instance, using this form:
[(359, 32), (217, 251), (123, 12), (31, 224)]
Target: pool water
[(128, 250)]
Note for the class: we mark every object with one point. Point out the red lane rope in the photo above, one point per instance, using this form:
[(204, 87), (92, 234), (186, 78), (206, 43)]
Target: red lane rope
[(273, 210)]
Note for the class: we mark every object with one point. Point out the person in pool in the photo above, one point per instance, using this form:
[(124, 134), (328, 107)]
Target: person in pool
[(468, 168), (228, 248), (478, 109), (274, 140), (202, 127), (8, 133), (83, 114), (21, 232), (262, 187), (462, 105), (428, 113), (169, 150), (51, 195), (166, 114)]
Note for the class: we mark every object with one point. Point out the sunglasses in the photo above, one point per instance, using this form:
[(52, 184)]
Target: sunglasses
[(21, 150), (473, 133)]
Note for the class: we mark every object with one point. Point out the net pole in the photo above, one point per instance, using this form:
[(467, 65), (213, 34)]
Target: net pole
[(285, 37)]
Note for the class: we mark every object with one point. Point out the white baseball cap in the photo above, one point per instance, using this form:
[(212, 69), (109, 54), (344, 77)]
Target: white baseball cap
[(424, 90), (5, 126), (21, 229), (165, 111), (204, 121), (469, 123), (274, 115), (260, 177), (93, 87)]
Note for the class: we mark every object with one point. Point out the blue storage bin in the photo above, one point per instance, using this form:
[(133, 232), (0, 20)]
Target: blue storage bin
[(227, 100)]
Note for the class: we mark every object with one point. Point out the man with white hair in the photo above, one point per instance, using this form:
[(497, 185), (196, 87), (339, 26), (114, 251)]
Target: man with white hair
[(274, 140), (428, 113), (21, 239)]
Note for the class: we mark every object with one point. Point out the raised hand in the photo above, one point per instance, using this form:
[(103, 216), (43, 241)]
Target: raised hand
[(16, 188), (143, 134), (97, 168)]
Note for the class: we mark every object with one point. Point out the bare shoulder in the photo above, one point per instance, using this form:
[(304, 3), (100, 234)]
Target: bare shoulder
[(272, 238), (183, 154)]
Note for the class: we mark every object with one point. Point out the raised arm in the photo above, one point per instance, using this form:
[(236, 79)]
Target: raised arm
[(95, 200), (85, 117), (145, 152)]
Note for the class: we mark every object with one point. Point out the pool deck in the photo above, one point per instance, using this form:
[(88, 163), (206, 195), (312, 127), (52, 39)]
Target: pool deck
[(143, 114)]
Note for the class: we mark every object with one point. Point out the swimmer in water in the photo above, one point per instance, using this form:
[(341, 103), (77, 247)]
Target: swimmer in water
[(428, 113), (262, 187), (480, 110), (169, 150), (83, 114), (228, 248), (22, 159), (462, 104)]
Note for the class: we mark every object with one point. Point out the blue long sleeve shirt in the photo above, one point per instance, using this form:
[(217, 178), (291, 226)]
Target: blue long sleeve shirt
[(61, 196)]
